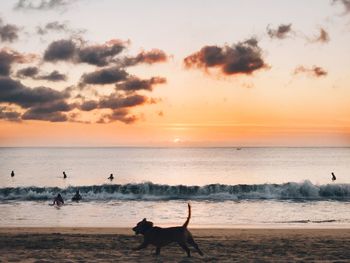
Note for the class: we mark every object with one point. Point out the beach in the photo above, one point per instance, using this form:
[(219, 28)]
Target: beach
[(218, 245)]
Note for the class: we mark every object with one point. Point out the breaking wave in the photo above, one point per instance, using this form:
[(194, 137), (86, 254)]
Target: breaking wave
[(149, 191)]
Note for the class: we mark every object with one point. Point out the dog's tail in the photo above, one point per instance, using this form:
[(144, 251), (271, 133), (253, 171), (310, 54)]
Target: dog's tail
[(188, 217)]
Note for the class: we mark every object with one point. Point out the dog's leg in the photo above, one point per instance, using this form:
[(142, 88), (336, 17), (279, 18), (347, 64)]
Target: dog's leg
[(157, 251), (185, 247), (143, 245), (191, 241)]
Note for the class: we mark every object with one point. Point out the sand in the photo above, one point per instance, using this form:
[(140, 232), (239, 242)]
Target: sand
[(219, 245)]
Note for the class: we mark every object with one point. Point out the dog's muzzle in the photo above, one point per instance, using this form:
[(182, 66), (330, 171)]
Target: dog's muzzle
[(136, 231)]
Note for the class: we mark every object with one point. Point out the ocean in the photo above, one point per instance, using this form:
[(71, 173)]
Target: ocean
[(227, 187)]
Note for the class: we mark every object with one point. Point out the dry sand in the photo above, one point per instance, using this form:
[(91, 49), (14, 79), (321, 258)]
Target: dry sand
[(218, 245)]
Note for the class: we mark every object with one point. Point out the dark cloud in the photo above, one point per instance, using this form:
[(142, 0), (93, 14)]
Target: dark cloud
[(27, 72), (33, 72), (104, 76), (60, 50), (117, 101), (114, 101), (52, 117), (147, 57), (122, 115), (241, 58), (281, 32), (8, 32), (9, 115), (50, 111), (134, 83), (42, 4), (314, 71), (120, 104), (46, 104), (345, 3), (100, 55), (9, 57), (89, 105), (12, 91), (53, 76), (41, 103)]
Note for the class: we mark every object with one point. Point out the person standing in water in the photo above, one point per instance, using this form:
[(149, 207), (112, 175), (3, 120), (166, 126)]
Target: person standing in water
[(58, 200), (333, 177), (12, 174), (111, 177), (64, 175), (77, 197)]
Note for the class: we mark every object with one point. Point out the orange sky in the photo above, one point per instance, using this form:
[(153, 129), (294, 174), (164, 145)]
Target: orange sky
[(197, 106)]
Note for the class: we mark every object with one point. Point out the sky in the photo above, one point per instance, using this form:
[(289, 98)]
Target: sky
[(175, 73)]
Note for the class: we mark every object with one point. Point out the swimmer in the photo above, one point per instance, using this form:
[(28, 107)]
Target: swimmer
[(58, 200), (77, 197), (111, 177)]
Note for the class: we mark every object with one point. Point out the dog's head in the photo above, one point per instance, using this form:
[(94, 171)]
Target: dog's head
[(142, 227)]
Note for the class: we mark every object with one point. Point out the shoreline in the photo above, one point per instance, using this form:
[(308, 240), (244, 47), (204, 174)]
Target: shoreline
[(195, 231), (218, 245)]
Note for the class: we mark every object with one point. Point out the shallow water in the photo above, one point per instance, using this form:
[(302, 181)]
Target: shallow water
[(251, 187)]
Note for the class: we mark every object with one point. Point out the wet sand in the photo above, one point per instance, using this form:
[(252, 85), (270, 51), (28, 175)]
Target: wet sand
[(218, 245)]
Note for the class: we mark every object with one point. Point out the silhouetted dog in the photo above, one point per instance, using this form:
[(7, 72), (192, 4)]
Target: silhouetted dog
[(160, 237)]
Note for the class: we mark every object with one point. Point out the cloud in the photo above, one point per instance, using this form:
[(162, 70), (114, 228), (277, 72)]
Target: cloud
[(101, 55), (9, 57), (27, 72), (42, 4), (98, 55), (60, 50), (33, 72), (89, 105), (117, 101), (52, 117), (147, 57), (345, 3), (114, 101), (283, 31), (241, 58), (120, 104), (53, 76), (8, 32), (57, 27), (322, 37), (49, 111), (12, 91), (122, 115), (314, 71), (104, 76), (9, 115), (134, 83), (47, 104), (40, 103)]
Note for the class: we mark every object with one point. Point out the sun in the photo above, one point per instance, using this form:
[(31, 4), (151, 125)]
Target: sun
[(177, 140)]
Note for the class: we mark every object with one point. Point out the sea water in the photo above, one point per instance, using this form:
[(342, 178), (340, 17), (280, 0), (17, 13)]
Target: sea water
[(227, 187)]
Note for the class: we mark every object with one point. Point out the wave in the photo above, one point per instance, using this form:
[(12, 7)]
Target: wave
[(305, 191)]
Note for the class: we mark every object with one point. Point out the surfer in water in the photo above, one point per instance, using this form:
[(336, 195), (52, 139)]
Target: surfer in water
[(12, 174), (58, 200), (64, 175), (111, 177), (77, 197), (333, 177)]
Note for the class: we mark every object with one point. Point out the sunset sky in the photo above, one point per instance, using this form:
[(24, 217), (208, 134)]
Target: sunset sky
[(174, 73)]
